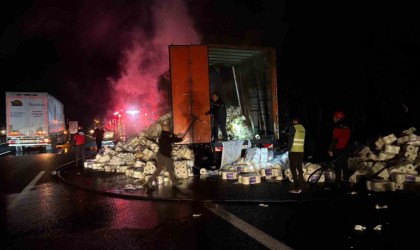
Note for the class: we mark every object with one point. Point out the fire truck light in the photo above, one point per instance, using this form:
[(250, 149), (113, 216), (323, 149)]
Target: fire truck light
[(132, 112)]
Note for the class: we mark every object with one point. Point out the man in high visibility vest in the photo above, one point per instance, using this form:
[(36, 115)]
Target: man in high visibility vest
[(296, 146)]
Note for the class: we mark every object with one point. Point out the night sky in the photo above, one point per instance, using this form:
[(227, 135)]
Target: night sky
[(361, 58)]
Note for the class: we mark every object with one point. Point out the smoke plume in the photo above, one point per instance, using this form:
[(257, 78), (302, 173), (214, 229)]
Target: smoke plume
[(146, 60)]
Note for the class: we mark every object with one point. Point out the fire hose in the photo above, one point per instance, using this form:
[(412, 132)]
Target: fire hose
[(324, 167), (194, 118)]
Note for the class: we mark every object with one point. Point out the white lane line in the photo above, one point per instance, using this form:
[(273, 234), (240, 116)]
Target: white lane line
[(14, 203), (248, 229), (251, 231), (5, 152)]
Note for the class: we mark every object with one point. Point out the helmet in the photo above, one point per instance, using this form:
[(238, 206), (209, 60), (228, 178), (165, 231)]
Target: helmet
[(338, 115), (296, 118)]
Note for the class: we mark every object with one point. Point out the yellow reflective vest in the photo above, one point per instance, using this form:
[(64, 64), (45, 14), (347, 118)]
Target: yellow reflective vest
[(298, 139)]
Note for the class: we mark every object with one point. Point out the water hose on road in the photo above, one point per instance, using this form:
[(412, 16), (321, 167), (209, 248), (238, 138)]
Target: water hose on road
[(324, 167)]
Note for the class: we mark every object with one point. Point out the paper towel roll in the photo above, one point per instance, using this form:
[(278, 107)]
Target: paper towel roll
[(229, 175), (121, 169), (279, 178), (252, 179), (137, 174), (129, 171), (380, 186), (88, 164), (203, 171), (109, 168), (399, 186)]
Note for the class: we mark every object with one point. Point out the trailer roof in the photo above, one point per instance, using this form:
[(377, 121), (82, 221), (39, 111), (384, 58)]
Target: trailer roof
[(233, 55)]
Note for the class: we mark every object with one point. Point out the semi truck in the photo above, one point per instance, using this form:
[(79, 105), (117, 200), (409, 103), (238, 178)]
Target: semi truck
[(34, 119)]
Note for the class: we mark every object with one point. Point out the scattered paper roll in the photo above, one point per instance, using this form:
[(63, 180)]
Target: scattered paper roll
[(252, 179), (203, 171), (229, 175)]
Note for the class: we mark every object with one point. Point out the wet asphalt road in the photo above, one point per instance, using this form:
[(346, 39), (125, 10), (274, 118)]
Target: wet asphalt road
[(41, 211)]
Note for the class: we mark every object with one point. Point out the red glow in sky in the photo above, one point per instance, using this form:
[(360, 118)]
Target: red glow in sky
[(147, 59)]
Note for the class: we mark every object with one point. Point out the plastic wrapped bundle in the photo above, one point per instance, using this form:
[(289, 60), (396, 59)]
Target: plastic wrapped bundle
[(380, 185), (138, 173), (105, 158), (121, 169), (249, 178), (229, 175), (150, 167)]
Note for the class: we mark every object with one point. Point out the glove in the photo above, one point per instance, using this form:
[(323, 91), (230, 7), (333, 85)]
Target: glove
[(330, 153)]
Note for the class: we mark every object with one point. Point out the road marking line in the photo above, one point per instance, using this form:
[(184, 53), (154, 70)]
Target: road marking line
[(5, 152), (251, 231), (248, 229), (25, 191)]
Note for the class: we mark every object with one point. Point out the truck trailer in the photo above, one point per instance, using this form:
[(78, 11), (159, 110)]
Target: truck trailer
[(244, 77), (34, 119)]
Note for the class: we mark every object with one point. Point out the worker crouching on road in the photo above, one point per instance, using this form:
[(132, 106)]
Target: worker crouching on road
[(164, 159)]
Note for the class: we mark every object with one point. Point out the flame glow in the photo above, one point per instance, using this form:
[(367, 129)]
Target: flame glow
[(146, 60)]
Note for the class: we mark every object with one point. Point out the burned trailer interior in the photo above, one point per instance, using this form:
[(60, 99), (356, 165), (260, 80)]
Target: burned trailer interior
[(245, 79)]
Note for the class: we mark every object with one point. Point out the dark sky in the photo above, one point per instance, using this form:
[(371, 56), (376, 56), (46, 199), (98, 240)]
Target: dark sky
[(359, 57)]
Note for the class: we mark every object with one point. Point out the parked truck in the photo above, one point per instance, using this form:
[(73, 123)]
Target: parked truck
[(243, 76), (73, 127), (34, 119)]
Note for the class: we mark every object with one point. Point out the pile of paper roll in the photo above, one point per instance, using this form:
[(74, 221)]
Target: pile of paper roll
[(183, 168), (236, 125), (263, 164), (259, 158), (392, 165), (312, 173), (136, 157), (252, 168)]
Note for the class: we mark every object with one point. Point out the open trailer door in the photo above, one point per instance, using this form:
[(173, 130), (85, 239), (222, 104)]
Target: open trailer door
[(190, 92)]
